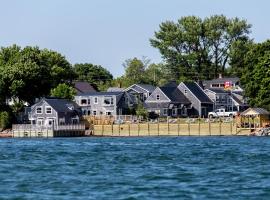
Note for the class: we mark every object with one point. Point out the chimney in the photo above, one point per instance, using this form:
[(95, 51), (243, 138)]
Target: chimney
[(220, 75)]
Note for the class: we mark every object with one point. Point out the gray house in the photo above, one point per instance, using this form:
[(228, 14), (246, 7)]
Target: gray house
[(167, 101), (105, 103), (201, 104), (140, 91), (229, 100), (54, 111)]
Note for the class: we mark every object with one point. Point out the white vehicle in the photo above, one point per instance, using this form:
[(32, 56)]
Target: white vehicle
[(221, 113)]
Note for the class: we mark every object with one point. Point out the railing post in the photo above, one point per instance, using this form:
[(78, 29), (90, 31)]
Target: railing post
[(178, 126), (199, 119), (219, 126), (209, 127), (189, 128), (112, 128), (128, 129), (138, 126), (148, 127), (158, 127)]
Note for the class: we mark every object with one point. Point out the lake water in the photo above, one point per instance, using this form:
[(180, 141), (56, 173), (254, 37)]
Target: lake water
[(135, 168)]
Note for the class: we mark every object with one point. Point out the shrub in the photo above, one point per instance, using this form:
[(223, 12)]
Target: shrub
[(4, 120)]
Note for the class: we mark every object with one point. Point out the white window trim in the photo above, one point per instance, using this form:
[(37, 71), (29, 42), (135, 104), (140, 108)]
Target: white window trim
[(37, 110), (46, 110)]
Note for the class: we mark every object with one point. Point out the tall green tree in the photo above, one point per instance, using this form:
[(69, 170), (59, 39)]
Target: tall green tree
[(94, 74), (30, 72), (196, 48), (256, 73)]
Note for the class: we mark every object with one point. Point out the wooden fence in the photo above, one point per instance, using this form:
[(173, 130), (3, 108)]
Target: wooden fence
[(170, 129)]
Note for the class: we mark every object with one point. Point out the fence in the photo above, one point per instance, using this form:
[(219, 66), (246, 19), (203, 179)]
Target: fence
[(171, 128), (28, 130)]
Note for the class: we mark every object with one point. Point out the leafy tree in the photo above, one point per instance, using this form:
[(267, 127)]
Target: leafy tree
[(94, 74), (255, 78), (135, 71), (28, 73), (141, 111), (63, 91), (194, 48)]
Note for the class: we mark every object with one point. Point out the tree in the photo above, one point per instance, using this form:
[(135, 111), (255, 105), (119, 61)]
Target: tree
[(141, 111), (135, 71), (198, 49), (94, 74), (256, 73), (63, 91), (156, 74), (28, 73)]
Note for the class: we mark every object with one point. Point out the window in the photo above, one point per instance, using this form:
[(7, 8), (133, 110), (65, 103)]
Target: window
[(94, 112), (158, 97), (165, 111), (95, 100), (83, 101), (174, 111), (88, 101), (185, 91), (108, 113), (40, 122), (48, 110), (39, 110), (61, 121), (88, 112), (215, 85), (108, 100)]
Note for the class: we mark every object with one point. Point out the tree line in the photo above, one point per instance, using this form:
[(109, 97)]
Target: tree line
[(192, 49)]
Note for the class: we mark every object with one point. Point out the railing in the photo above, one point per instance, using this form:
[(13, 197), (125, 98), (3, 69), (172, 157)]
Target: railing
[(57, 128)]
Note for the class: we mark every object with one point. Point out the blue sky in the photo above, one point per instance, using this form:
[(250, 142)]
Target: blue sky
[(107, 32)]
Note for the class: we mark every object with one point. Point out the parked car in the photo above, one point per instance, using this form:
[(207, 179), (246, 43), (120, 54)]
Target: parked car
[(221, 113)]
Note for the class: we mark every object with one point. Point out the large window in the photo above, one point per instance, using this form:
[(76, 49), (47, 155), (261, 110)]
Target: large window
[(108, 100), (83, 101), (165, 111), (39, 110)]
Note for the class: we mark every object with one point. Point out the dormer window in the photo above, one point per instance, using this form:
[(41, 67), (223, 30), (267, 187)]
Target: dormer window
[(158, 97), (39, 110), (48, 110)]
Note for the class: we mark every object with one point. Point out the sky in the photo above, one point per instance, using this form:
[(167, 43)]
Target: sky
[(107, 32)]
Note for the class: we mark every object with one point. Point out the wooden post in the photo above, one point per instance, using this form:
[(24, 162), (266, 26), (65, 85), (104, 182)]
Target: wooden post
[(119, 129), (158, 127), (231, 127), (199, 126), (189, 128), (112, 128), (178, 126), (209, 126), (102, 131), (138, 128), (219, 126), (128, 129), (168, 127), (148, 127)]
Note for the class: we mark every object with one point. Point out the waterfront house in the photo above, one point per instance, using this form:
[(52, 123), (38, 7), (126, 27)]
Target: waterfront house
[(167, 101), (229, 100), (50, 112), (140, 91), (105, 103), (201, 104)]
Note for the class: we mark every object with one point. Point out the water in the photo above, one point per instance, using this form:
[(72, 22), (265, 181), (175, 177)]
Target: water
[(135, 168)]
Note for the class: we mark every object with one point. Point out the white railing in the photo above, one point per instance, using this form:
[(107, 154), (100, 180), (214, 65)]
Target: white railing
[(38, 127)]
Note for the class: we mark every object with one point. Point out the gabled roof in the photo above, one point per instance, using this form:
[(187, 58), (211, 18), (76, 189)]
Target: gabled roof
[(175, 95), (141, 88), (61, 105), (218, 90), (83, 87), (198, 92), (148, 87), (255, 111)]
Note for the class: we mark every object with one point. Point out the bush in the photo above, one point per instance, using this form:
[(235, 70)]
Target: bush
[(4, 120)]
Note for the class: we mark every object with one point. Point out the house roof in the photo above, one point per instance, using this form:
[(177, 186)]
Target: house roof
[(157, 105), (148, 87), (115, 89), (207, 84), (83, 87), (175, 95), (255, 111), (218, 90), (198, 92), (61, 105), (101, 93), (171, 84)]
